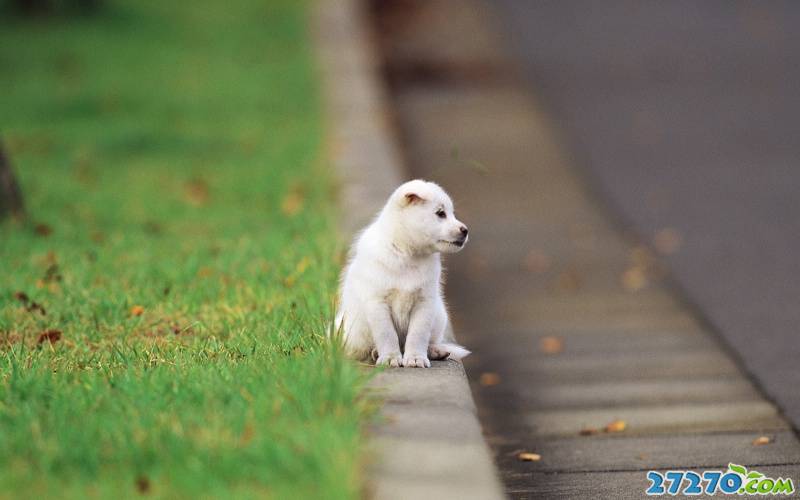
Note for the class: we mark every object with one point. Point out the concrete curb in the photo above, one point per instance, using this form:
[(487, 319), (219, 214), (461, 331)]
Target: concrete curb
[(430, 442)]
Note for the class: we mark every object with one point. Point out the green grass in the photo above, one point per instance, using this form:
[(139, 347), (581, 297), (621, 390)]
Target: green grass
[(172, 151)]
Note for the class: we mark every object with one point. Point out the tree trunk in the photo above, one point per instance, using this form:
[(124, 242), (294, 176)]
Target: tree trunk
[(10, 196)]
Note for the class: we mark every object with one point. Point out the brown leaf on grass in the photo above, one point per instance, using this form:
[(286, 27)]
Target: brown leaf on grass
[(142, 484), (42, 230), (247, 434), (489, 379), (137, 310), (52, 274), (196, 192), (51, 336), (35, 306), (762, 440), (616, 426), (551, 345), (204, 272), (178, 330), (293, 200), (527, 456), (29, 304), (668, 241), (589, 431)]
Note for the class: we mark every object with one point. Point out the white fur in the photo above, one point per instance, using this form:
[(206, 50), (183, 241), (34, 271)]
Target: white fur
[(391, 305)]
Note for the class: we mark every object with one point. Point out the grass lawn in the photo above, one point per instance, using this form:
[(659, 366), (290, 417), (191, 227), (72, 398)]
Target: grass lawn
[(162, 315)]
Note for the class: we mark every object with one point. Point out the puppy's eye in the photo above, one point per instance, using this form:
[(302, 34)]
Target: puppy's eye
[(441, 214)]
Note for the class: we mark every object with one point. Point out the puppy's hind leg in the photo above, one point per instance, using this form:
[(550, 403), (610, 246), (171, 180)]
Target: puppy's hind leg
[(435, 349), (441, 346), (447, 351)]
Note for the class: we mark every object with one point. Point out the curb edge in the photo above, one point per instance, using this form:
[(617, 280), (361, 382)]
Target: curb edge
[(429, 443)]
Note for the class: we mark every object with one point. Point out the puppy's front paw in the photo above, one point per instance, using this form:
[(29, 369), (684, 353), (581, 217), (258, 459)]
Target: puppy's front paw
[(416, 361), (392, 359)]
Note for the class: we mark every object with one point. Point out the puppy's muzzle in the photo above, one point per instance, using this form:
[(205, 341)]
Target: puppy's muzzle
[(463, 239)]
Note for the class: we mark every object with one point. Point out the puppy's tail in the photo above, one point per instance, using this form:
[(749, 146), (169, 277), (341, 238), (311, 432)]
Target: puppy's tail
[(447, 350)]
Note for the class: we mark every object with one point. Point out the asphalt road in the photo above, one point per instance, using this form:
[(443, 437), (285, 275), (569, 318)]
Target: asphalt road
[(685, 115)]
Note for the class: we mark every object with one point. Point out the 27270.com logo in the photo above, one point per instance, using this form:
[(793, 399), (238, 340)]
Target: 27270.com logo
[(737, 480)]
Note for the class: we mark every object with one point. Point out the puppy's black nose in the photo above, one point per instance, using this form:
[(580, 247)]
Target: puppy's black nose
[(464, 230)]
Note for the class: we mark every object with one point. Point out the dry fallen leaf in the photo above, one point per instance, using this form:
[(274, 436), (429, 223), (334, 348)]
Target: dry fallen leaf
[(668, 241), (634, 279), (35, 306), (551, 345), (137, 310), (616, 426), (293, 201), (526, 456), (247, 434), (762, 440), (536, 262), (568, 281), (43, 230), (142, 484), (196, 192), (489, 379), (52, 274), (589, 431), (51, 336)]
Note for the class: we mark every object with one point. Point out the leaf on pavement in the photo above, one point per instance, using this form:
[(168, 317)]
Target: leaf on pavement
[(634, 278), (489, 379), (668, 241), (762, 440), (551, 345), (616, 426), (527, 456), (536, 262)]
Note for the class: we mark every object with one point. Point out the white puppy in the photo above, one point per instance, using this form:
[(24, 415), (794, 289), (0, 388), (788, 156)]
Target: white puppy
[(390, 299)]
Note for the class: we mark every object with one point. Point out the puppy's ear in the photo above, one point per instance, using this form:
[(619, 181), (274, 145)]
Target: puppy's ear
[(411, 199)]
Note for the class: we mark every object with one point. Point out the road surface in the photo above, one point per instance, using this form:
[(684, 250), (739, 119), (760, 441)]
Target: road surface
[(686, 116)]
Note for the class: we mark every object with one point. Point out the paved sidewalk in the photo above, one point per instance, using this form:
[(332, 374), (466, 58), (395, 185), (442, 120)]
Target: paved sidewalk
[(570, 322)]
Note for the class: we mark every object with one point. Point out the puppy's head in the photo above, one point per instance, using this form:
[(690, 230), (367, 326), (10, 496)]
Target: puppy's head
[(425, 215)]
